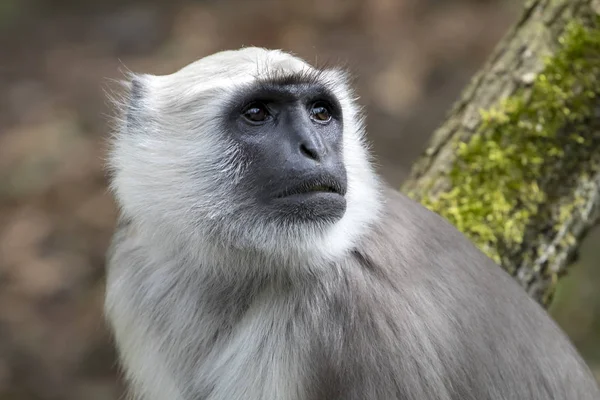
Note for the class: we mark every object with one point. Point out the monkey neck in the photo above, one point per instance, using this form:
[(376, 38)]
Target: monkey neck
[(217, 263), (214, 260)]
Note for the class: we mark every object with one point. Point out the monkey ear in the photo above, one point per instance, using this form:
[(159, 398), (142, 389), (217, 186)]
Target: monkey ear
[(127, 98), (133, 107)]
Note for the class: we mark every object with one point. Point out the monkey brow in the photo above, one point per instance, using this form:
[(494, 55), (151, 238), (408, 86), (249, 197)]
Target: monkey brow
[(308, 77), (280, 85)]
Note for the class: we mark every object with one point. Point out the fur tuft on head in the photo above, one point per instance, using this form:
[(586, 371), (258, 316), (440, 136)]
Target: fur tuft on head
[(175, 172)]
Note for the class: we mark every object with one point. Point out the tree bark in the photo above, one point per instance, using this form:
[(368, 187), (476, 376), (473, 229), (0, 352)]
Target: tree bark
[(516, 164)]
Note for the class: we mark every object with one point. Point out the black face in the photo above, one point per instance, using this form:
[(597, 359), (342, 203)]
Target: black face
[(291, 133)]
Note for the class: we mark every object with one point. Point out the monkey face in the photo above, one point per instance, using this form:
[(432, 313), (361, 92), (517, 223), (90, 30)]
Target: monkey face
[(291, 132)]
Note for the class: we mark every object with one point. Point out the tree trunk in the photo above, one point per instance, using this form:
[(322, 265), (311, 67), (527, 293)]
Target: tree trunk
[(516, 165)]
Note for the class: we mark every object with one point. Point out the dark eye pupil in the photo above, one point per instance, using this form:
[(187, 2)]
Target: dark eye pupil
[(321, 113), (256, 113)]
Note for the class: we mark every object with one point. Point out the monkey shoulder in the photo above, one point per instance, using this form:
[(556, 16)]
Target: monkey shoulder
[(413, 240)]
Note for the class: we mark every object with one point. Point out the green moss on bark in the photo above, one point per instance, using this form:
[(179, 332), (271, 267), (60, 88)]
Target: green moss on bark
[(501, 177)]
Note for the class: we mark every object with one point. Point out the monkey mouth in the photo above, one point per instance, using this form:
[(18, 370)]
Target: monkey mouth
[(314, 187)]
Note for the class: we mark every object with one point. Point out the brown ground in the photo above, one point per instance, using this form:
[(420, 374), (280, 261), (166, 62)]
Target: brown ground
[(411, 58)]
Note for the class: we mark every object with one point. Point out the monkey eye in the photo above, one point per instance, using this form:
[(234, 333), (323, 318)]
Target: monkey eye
[(320, 112), (256, 112)]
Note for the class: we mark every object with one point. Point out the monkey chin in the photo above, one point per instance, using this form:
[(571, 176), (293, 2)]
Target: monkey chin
[(311, 207)]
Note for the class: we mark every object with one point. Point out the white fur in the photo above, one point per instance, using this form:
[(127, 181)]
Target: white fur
[(174, 175)]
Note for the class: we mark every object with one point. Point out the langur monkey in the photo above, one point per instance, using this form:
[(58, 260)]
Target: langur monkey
[(258, 256)]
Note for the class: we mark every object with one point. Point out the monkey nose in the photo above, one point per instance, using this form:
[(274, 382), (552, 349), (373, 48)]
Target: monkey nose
[(313, 147)]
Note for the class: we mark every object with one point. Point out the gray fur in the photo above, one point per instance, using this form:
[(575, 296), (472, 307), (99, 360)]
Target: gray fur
[(402, 307)]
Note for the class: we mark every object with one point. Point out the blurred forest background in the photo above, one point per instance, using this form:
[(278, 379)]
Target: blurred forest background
[(411, 59)]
